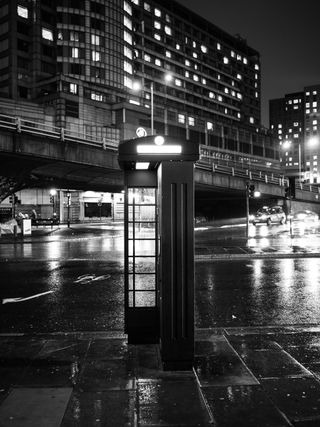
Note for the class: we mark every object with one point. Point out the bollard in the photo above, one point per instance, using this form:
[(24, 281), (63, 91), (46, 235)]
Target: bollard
[(15, 231)]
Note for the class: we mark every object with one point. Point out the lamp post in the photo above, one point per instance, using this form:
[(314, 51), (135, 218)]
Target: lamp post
[(137, 86)]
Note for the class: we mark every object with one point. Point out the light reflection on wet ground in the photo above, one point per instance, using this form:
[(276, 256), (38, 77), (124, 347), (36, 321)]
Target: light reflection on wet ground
[(258, 292)]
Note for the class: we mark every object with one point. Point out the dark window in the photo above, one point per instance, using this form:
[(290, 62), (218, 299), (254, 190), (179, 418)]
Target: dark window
[(97, 72), (23, 45), (72, 109), (48, 51), (76, 69), (97, 24), (23, 92), (97, 8), (47, 17), (48, 67), (23, 28), (23, 63)]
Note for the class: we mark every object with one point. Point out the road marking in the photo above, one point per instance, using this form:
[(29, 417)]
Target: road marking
[(87, 278), (21, 299)]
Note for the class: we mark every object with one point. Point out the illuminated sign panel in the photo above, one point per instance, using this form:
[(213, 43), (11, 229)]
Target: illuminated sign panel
[(159, 149)]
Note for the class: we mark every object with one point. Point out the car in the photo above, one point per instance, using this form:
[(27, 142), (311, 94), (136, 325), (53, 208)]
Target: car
[(269, 215), (304, 216)]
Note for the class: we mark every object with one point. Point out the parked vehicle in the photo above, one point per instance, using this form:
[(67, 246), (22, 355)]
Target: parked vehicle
[(269, 215)]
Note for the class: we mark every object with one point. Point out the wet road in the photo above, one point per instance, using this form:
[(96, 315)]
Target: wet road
[(72, 281)]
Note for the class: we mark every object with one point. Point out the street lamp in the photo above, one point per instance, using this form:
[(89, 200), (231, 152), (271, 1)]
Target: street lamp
[(137, 86)]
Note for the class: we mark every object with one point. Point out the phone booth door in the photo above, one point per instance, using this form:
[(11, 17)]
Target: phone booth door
[(141, 305)]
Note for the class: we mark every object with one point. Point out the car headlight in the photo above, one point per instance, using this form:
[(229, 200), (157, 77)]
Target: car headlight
[(263, 217), (251, 217)]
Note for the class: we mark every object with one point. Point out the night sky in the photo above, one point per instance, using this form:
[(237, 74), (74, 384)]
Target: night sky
[(286, 33)]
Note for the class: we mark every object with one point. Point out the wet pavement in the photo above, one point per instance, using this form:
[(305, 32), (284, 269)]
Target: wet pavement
[(243, 377)]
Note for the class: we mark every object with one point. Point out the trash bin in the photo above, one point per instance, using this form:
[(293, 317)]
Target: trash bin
[(26, 227)]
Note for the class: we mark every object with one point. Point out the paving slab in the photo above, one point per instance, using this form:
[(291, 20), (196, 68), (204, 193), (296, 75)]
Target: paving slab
[(30, 407)]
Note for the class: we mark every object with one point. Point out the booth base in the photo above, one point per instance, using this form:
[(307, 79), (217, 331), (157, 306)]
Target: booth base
[(142, 325)]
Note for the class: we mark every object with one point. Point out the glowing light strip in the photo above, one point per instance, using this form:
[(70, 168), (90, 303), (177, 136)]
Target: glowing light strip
[(159, 149), (142, 165)]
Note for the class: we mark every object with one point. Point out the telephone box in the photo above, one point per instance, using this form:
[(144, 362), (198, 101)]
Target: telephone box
[(159, 245)]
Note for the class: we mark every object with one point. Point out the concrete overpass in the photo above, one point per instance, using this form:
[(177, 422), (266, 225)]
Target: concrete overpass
[(32, 155)]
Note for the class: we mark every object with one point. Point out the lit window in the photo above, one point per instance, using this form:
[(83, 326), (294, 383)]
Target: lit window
[(168, 54), (314, 122), (191, 121), (307, 104), (204, 81), (127, 8), (296, 107), (60, 35), (314, 110), (178, 46), (314, 92), (220, 98), (127, 37), (75, 52), (135, 2), (23, 12), (256, 95), (280, 131), (168, 30), (158, 62), (157, 12), (296, 135), (47, 34), (194, 54), (127, 67), (295, 124), (187, 74), (314, 104), (74, 36), (127, 22), (307, 93), (308, 111), (218, 77), (239, 76), (256, 66), (127, 52), (209, 125), (226, 111), (181, 118), (147, 7), (233, 55), (204, 48), (211, 95), (251, 120), (195, 66), (279, 125), (290, 102), (96, 96), (245, 61), (239, 57), (238, 115), (239, 95), (194, 44), (218, 46), (157, 25), (73, 88), (233, 93), (315, 156), (226, 90), (96, 56), (225, 60), (187, 62), (157, 37), (296, 101), (256, 76), (195, 78), (147, 58), (128, 82), (178, 82), (95, 39)]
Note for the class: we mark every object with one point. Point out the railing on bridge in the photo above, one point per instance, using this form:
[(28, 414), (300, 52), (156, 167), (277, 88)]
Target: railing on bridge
[(41, 129), (249, 171), (241, 172)]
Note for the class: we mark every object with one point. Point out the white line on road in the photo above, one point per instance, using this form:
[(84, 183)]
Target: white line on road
[(20, 299)]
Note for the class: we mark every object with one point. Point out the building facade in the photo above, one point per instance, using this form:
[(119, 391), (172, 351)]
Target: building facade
[(294, 122), (111, 68)]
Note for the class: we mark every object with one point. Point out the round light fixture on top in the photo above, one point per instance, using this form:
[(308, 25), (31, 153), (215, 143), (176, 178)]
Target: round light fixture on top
[(159, 140)]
